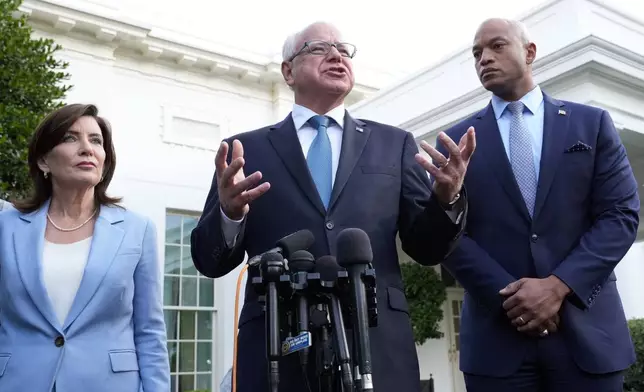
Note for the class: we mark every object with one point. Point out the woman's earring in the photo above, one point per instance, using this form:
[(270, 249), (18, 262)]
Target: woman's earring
[(46, 174)]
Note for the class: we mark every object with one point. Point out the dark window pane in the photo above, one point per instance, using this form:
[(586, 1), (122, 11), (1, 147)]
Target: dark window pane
[(186, 357), (172, 260), (187, 326), (189, 291), (171, 317), (204, 382), (187, 266), (189, 223), (206, 292), (171, 291), (204, 357), (173, 229), (172, 356), (186, 383), (204, 326)]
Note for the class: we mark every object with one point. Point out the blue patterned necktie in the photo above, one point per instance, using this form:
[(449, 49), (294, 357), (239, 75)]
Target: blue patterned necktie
[(319, 158), (521, 156)]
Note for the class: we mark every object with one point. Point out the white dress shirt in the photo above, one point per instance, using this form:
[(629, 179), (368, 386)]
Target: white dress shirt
[(63, 266)]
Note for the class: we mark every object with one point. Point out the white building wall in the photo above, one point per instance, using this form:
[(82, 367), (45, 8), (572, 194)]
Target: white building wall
[(630, 275), (435, 360), (153, 175)]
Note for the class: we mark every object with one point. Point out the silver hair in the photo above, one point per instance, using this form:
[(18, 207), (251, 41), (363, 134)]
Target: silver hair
[(290, 46), (293, 42)]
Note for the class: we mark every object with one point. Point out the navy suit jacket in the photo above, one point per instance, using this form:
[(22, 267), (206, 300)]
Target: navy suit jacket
[(585, 220), (380, 189)]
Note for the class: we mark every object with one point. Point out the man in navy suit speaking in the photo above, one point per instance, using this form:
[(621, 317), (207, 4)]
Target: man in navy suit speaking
[(323, 170), (553, 207)]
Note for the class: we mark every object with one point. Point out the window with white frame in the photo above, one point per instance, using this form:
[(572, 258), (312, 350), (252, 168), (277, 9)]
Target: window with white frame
[(189, 307)]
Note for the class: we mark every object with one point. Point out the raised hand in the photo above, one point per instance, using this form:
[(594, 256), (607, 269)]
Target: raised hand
[(236, 191), (450, 172)]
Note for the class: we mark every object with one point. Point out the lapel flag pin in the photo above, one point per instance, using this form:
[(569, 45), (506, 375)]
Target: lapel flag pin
[(562, 112), (359, 129)]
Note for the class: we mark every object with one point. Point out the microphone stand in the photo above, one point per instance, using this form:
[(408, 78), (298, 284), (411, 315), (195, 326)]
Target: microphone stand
[(323, 346), (332, 360), (272, 268)]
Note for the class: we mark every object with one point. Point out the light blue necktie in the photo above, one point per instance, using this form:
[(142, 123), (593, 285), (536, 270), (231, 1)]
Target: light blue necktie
[(319, 159), (521, 156)]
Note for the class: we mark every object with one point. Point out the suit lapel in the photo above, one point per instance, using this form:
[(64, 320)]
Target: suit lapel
[(283, 137), (105, 245), (555, 127), (490, 143), (29, 241), (354, 139)]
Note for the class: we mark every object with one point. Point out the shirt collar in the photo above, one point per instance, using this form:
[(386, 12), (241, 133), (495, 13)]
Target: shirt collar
[(532, 100), (302, 114)]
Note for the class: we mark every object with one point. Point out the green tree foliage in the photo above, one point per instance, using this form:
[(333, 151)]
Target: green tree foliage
[(426, 295), (635, 374), (31, 85)]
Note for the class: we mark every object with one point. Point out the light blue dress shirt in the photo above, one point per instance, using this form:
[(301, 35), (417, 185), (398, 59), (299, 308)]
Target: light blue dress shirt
[(533, 116)]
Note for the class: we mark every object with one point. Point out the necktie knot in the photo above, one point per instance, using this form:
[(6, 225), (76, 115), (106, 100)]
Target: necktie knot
[(516, 107), (318, 122)]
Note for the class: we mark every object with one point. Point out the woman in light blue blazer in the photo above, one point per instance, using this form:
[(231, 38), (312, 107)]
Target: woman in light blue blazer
[(80, 290)]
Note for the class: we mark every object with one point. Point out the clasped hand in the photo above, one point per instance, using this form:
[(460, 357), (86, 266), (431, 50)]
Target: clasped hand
[(450, 172), (533, 305)]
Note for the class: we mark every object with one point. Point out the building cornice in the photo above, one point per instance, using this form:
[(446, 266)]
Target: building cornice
[(142, 41)]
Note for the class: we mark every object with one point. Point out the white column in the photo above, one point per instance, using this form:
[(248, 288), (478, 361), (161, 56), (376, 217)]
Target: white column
[(282, 101)]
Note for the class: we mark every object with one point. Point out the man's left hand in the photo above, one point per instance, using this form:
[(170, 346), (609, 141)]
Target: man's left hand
[(531, 302), (450, 172)]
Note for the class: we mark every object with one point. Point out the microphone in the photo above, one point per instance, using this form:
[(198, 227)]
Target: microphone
[(355, 254), (272, 267), (328, 269), (300, 264), (299, 240)]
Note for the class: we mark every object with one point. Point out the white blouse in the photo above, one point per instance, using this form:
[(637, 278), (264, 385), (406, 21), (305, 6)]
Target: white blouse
[(62, 271)]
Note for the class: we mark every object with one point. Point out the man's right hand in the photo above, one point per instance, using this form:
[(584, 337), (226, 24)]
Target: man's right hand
[(236, 190), (552, 325)]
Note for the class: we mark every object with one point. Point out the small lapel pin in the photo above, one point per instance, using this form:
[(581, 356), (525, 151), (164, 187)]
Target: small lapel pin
[(562, 112), (359, 129)]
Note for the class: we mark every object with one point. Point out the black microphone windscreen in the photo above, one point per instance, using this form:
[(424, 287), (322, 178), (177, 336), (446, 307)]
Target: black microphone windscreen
[(271, 256), (328, 268), (354, 247), (299, 240), (301, 261)]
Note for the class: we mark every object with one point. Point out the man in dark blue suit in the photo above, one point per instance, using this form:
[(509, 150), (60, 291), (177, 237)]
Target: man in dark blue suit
[(553, 207), (325, 171)]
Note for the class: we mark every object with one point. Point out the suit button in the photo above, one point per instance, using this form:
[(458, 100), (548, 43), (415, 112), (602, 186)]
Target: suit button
[(534, 237), (59, 342), (330, 225)]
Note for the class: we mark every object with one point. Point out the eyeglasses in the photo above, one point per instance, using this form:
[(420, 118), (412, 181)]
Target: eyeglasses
[(322, 48)]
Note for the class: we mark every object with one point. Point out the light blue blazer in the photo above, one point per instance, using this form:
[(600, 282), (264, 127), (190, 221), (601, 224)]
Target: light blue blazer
[(113, 339)]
